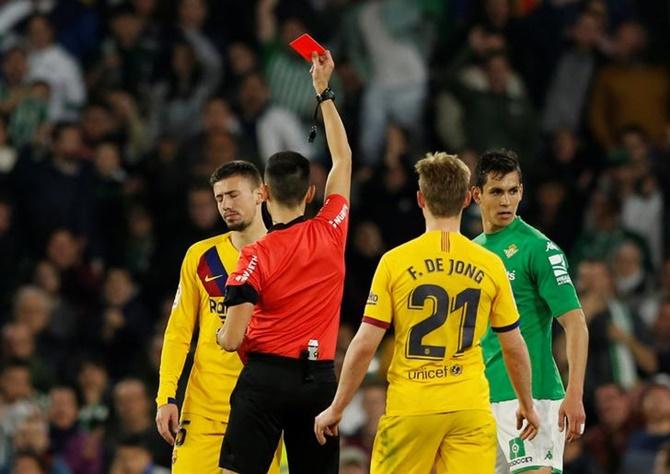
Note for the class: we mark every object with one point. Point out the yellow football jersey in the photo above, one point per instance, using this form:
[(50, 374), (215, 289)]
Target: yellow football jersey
[(199, 303), (439, 291)]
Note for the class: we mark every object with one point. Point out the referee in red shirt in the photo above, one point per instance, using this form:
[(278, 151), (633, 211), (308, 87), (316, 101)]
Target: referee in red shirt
[(284, 308)]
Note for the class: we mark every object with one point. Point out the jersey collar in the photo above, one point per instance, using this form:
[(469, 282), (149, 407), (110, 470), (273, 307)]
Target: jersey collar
[(512, 225), (282, 226)]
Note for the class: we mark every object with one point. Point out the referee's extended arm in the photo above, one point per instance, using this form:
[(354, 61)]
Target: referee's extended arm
[(359, 354), (339, 178)]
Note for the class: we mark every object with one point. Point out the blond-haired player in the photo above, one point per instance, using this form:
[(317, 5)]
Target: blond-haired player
[(440, 292)]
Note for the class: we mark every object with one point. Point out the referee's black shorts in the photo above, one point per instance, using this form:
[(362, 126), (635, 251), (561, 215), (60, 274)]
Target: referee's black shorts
[(275, 394)]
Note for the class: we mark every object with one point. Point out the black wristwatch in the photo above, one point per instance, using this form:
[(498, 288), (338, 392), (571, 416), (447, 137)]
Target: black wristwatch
[(327, 94)]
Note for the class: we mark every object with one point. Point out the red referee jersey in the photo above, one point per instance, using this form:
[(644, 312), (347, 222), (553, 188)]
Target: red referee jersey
[(295, 276)]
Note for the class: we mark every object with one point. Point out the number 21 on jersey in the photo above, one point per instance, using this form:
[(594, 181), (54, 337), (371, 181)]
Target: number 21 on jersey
[(466, 301)]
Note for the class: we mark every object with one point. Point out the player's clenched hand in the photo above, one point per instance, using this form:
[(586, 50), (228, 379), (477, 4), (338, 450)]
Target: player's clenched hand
[(572, 412), (167, 421), (326, 424), (532, 422), (322, 69)]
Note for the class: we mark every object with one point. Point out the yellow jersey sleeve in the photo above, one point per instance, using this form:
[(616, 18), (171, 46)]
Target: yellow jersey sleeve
[(379, 307), (504, 313), (179, 330)]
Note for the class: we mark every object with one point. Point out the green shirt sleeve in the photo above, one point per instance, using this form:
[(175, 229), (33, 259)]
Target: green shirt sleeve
[(549, 269)]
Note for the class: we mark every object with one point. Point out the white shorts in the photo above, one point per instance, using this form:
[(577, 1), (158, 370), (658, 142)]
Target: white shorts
[(517, 455)]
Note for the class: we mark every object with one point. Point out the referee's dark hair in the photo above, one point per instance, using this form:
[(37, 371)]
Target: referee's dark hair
[(287, 176), (497, 163), (237, 168)]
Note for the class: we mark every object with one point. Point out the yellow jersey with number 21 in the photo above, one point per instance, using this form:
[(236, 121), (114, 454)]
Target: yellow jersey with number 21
[(440, 292)]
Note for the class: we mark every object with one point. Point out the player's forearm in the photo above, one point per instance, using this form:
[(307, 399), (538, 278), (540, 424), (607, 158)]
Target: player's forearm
[(173, 357), (517, 363), (336, 135), (577, 346), (355, 366)]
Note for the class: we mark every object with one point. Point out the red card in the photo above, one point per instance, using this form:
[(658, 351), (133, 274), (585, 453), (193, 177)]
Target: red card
[(305, 45)]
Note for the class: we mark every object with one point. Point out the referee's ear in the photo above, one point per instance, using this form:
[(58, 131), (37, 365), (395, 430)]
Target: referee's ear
[(311, 192), (264, 192)]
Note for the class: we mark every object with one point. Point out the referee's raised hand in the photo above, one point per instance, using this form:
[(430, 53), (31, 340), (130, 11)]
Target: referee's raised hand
[(322, 69)]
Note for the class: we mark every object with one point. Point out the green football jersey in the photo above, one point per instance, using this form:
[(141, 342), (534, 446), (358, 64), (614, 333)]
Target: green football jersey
[(538, 272)]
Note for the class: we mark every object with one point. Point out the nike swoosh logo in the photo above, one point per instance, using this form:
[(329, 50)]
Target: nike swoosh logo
[(208, 278)]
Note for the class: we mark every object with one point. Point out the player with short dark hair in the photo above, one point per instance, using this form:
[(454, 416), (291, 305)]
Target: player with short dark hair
[(440, 292), (198, 304), (284, 308), (538, 272)]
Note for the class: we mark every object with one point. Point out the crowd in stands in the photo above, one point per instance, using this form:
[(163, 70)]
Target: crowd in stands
[(113, 114)]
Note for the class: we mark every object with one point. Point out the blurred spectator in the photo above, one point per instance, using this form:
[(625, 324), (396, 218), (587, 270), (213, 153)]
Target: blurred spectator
[(390, 193), (128, 57), (571, 162), (630, 91), (644, 445), (33, 308), (110, 178), (576, 459), (133, 457), (268, 128), (18, 344), (10, 254), (17, 403), (619, 344), (569, 89), (81, 451), (178, 99), (29, 118), (373, 402), (487, 107), (362, 258), (242, 61), (388, 43), (353, 461), (607, 440), (51, 63), (290, 88), (31, 447), (557, 213), (133, 417), (661, 333), (631, 281), (130, 126), (603, 232), (14, 81), (27, 462), (79, 282), (636, 180), (93, 385), (63, 316), (662, 462), (8, 154), (120, 325), (57, 191), (191, 17), (217, 119), (140, 246)]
